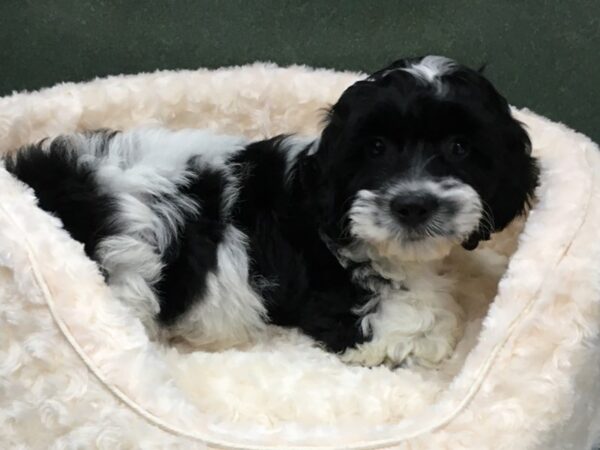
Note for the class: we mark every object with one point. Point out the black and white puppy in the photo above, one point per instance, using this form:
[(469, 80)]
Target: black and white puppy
[(210, 238)]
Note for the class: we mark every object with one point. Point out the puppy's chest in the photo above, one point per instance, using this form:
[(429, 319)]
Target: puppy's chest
[(383, 277), (367, 277)]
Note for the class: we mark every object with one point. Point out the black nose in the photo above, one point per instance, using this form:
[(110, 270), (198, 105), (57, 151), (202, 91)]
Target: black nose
[(414, 209)]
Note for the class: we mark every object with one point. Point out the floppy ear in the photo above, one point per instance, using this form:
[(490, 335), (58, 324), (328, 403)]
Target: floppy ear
[(309, 172), (316, 173), (520, 177), (313, 165), (516, 185), (321, 177)]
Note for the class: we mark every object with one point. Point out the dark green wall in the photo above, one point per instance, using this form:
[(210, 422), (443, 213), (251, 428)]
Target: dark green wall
[(544, 54)]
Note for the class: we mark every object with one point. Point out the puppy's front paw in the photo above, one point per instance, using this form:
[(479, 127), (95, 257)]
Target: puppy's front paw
[(418, 332), (373, 353), (431, 351), (423, 350)]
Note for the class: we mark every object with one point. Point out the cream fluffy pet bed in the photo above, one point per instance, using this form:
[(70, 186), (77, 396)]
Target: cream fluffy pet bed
[(77, 372)]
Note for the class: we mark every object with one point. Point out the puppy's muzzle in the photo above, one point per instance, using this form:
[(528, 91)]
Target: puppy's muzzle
[(414, 209)]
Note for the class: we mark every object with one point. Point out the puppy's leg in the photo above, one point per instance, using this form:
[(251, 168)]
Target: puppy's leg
[(329, 320), (421, 326)]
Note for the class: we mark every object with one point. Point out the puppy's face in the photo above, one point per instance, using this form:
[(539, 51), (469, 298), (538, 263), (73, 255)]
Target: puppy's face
[(419, 157)]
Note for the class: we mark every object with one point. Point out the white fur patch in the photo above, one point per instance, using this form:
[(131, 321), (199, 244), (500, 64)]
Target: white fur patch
[(230, 313), (133, 267), (431, 68)]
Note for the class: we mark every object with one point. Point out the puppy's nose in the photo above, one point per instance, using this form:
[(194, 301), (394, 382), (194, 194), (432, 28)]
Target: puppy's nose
[(414, 209)]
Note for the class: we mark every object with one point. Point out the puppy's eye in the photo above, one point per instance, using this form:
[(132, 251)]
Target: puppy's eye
[(375, 148), (458, 151)]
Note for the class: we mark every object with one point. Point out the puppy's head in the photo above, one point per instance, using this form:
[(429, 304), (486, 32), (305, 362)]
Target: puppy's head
[(419, 157)]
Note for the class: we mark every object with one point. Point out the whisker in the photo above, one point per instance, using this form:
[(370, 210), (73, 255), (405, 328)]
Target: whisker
[(488, 217)]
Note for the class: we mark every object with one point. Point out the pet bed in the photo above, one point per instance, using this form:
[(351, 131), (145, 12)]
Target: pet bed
[(77, 371)]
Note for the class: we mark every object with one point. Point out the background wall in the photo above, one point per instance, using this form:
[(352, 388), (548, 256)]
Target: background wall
[(543, 54)]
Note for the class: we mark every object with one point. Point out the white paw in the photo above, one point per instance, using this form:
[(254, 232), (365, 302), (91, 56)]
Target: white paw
[(422, 329), (423, 350)]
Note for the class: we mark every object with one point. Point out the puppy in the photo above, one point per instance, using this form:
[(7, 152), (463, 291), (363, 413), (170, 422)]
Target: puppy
[(210, 238)]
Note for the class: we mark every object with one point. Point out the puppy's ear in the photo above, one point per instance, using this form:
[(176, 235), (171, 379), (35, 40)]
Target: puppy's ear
[(309, 171), (516, 183), (319, 193), (519, 178)]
